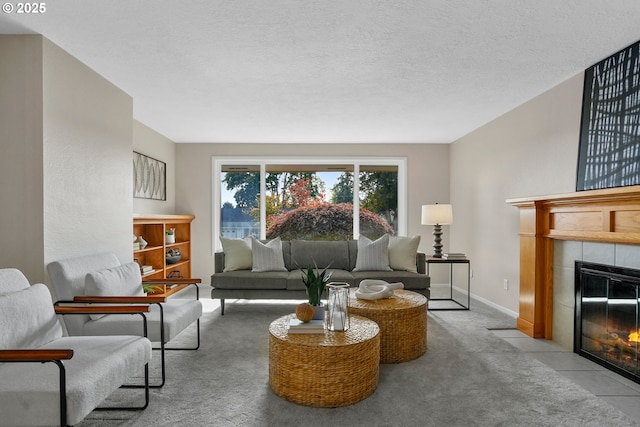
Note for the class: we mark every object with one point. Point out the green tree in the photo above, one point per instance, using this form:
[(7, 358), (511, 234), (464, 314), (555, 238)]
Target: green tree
[(246, 186), (342, 191), (283, 182), (379, 194)]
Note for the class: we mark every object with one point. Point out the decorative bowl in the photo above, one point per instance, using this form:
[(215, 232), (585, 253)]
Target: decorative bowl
[(173, 259)]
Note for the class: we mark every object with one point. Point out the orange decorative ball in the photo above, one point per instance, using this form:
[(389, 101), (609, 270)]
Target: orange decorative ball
[(304, 312)]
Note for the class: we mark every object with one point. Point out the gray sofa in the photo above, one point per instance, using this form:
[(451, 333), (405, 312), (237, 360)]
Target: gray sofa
[(340, 256)]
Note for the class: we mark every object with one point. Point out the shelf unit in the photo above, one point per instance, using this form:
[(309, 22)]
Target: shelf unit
[(152, 228)]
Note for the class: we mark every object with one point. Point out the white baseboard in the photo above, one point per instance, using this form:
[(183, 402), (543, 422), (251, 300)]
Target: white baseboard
[(496, 306)]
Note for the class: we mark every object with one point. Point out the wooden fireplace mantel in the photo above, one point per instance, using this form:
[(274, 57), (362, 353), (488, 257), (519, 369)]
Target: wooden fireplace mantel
[(609, 215)]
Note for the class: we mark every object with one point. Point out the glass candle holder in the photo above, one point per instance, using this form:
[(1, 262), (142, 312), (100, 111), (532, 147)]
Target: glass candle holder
[(337, 317)]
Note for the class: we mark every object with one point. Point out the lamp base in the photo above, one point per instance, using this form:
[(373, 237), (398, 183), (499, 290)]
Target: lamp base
[(437, 241)]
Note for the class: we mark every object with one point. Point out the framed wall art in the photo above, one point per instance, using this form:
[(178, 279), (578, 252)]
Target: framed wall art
[(149, 177), (609, 149)]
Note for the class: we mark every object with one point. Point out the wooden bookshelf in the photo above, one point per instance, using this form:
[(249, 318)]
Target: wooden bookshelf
[(153, 229)]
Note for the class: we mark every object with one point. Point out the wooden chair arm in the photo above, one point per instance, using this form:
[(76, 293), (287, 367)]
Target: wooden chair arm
[(142, 299), (171, 281), (98, 309), (35, 355)]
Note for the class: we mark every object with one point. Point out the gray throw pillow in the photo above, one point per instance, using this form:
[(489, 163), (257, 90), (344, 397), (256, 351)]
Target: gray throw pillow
[(373, 255), (267, 257)]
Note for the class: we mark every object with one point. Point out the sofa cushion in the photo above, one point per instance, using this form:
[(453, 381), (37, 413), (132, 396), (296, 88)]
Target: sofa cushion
[(267, 257), (11, 280), (179, 313), (27, 319), (123, 280), (402, 253), (29, 393), (68, 279), (373, 255), (237, 253), (294, 281), (245, 279), (68, 275), (309, 253)]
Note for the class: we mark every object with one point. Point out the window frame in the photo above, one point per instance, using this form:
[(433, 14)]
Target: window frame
[(356, 162)]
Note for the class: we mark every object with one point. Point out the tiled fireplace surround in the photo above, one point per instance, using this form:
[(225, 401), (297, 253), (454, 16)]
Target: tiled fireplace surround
[(565, 254), (601, 226)]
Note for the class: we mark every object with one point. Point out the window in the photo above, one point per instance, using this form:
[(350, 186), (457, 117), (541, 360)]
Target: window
[(310, 199), (240, 208), (378, 195)]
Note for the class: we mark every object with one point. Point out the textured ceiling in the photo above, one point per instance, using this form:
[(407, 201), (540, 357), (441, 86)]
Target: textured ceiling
[(298, 71)]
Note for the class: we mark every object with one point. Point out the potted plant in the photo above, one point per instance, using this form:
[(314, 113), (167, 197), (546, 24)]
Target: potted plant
[(170, 236), (315, 281)]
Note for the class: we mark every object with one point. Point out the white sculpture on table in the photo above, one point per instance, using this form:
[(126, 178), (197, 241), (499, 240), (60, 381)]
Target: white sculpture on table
[(376, 289)]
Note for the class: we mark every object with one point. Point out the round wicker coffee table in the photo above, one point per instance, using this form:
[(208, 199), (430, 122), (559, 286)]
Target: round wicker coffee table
[(402, 320), (324, 370)]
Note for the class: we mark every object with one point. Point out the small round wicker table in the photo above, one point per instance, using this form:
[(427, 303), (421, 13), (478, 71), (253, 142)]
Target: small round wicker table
[(324, 370), (402, 320)]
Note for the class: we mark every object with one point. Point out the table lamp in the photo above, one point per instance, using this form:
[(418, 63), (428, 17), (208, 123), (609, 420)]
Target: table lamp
[(437, 215)]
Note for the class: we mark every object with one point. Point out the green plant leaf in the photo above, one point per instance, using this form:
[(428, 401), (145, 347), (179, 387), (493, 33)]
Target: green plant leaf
[(315, 281)]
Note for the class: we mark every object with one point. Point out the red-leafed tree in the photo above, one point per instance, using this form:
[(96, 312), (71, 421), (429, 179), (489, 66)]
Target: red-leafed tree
[(326, 221)]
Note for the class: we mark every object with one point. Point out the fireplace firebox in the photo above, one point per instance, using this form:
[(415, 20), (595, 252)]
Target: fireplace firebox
[(606, 316)]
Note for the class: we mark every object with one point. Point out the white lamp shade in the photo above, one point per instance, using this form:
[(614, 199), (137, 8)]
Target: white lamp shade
[(437, 214)]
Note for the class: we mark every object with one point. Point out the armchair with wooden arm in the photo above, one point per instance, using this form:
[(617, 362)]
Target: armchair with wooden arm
[(101, 279), (31, 339)]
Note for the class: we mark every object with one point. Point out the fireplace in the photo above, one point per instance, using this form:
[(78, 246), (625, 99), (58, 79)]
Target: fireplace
[(606, 316), (609, 216)]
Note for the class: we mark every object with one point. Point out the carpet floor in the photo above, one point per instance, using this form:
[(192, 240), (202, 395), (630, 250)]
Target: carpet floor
[(468, 377)]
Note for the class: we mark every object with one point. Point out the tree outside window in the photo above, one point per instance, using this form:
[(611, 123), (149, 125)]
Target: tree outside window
[(298, 205)]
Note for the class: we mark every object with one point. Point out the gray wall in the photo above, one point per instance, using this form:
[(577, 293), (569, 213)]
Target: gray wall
[(531, 150), (152, 144), (428, 182), (66, 165), (21, 172), (87, 127)]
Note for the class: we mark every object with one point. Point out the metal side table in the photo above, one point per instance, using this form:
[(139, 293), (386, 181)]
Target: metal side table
[(451, 262)]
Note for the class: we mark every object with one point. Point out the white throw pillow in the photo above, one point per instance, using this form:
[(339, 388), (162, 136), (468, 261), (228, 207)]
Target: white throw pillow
[(267, 257), (123, 280), (402, 253), (373, 255), (237, 253)]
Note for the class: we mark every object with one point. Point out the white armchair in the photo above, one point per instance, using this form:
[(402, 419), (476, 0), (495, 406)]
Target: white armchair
[(100, 278), (36, 392)]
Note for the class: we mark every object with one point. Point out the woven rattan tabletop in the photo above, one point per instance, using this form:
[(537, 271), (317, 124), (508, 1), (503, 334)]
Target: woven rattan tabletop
[(361, 329), (401, 299)]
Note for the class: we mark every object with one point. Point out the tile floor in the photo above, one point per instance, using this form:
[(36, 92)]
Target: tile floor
[(615, 389)]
